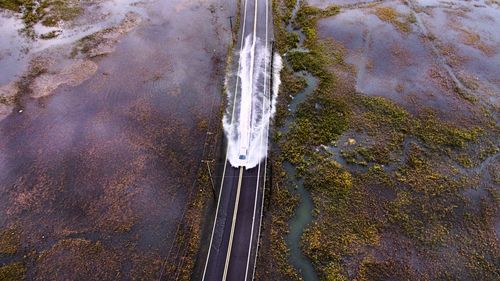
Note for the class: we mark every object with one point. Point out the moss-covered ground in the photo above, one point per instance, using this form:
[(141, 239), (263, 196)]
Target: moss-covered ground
[(408, 196)]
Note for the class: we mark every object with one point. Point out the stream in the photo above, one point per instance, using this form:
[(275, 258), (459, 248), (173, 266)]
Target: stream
[(303, 213)]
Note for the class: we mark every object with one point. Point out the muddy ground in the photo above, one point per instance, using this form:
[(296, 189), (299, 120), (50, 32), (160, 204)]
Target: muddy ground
[(397, 146), (104, 112)]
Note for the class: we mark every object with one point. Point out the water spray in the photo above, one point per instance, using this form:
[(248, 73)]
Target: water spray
[(247, 133)]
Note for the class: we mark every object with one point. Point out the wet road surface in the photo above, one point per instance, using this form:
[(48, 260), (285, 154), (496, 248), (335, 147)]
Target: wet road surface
[(233, 245)]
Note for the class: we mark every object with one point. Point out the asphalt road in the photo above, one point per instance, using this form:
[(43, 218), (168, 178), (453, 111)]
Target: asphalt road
[(234, 240)]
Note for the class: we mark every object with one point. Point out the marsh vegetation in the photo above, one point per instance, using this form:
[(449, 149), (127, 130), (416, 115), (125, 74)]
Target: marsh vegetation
[(401, 190)]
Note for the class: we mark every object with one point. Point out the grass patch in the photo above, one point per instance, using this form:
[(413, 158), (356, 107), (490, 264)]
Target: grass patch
[(285, 205), (388, 14), (48, 12), (9, 242), (410, 192), (13, 5), (336, 194), (282, 13), (464, 94), (12, 271), (50, 34), (439, 134), (61, 11), (306, 19), (290, 86)]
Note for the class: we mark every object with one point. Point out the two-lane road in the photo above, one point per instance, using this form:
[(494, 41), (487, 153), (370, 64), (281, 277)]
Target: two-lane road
[(234, 241)]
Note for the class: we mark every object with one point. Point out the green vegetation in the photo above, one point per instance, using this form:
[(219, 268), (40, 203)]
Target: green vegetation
[(382, 114), (87, 43), (6, 100), (49, 12), (439, 134), (91, 42), (9, 246), (284, 204), (13, 5), (465, 95), (306, 19), (50, 34), (390, 15), (404, 185), (282, 13), (290, 86), (61, 11), (12, 271), (381, 271)]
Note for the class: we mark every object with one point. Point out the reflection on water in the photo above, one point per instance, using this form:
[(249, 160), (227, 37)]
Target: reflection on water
[(109, 164), (449, 46), (16, 48), (11, 47)]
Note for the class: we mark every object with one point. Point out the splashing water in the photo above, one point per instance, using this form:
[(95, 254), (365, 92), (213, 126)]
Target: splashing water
[(252, 105)]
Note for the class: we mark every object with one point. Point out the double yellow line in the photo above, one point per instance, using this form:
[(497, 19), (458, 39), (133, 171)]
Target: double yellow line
[(233, 224), (240, 178), (225, 161), (235, 213)]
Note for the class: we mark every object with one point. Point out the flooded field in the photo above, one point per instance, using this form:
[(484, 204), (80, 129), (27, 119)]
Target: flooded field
[(103, 130), (397, 146), (409, 51)]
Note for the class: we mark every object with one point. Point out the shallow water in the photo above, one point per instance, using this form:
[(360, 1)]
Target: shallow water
[(311, 85), (302, 216), (114, 158), (11, 47), (325, 3), (413, 70), (301, 219), (17, 49)]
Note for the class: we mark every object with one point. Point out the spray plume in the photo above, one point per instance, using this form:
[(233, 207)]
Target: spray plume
[(252, 106)]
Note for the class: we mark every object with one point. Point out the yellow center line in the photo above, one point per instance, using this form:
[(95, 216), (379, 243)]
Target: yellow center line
[(231, 235), (235, 213), (225, 161)]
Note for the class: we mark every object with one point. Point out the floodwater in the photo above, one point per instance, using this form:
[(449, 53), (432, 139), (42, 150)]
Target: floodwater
[(110, 162), (303, 213), (11, 50), (325, 3), (16, 50), (448, 45), (442, 56)]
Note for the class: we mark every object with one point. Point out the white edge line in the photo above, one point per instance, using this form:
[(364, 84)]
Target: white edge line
[(261, 139), (265, 161), (225, 162), (235, 212)]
